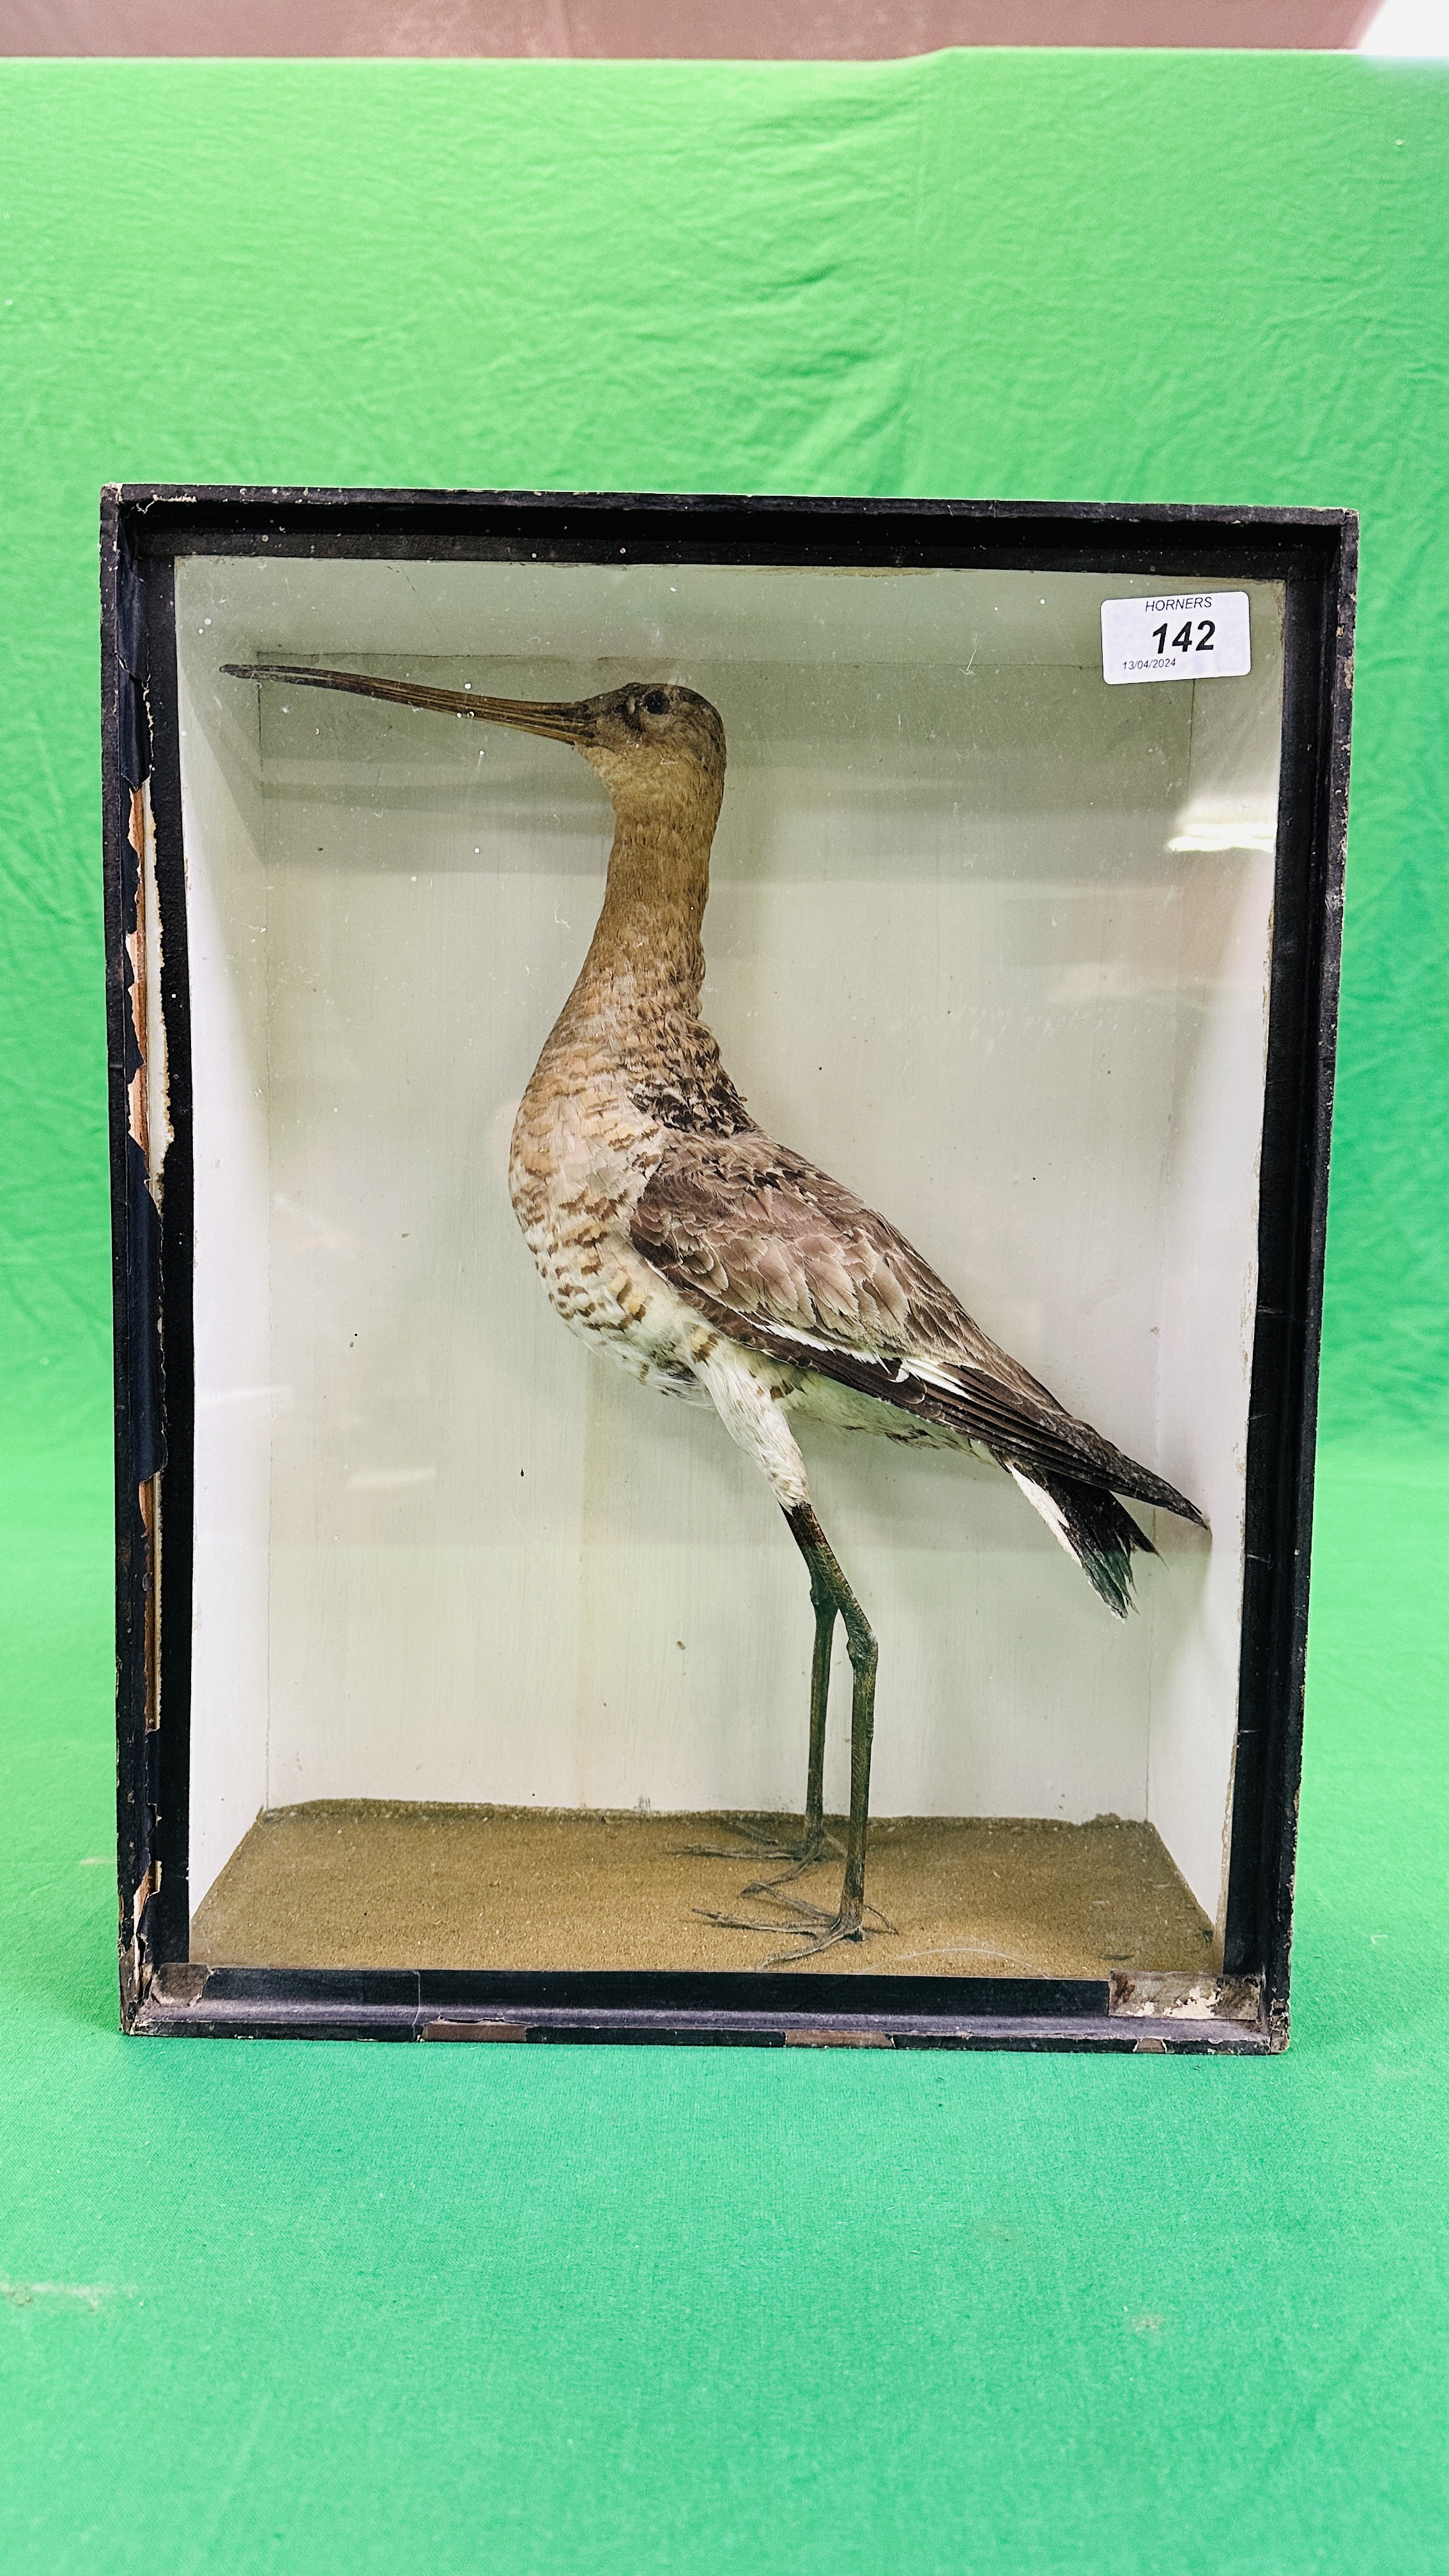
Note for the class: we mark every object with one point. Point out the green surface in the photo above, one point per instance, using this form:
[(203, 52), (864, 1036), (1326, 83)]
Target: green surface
[(268, 2307)]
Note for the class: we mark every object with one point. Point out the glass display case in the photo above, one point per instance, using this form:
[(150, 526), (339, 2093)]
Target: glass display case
[(475, 1684)]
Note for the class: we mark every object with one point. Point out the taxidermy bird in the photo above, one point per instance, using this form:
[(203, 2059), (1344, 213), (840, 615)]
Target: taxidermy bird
[(718, 1265)]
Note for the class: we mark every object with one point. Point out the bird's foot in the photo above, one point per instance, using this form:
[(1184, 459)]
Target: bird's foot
[(830, 1934), (814, 1927), (815, 1930), (815, 1844), (766, 1887)]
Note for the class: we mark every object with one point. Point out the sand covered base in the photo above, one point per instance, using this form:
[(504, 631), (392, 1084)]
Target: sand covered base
[(366, 1883)]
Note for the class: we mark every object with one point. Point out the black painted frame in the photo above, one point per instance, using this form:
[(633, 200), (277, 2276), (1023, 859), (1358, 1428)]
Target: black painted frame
[(1314, 553)]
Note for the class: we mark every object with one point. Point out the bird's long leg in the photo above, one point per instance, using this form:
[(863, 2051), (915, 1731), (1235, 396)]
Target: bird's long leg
[(827, 1582), (815, 1841), (833, 1598), (825, 1607)]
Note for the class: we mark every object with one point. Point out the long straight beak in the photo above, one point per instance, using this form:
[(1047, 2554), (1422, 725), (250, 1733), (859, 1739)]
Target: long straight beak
[(564, 723)]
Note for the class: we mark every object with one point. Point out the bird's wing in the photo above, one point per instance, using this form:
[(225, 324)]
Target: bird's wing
[(775, 1253)]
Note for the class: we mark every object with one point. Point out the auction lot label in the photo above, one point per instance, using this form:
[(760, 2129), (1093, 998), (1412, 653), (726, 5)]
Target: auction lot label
[(1175, 635)]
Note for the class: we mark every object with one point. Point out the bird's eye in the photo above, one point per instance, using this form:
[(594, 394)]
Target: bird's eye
[(656, 704)]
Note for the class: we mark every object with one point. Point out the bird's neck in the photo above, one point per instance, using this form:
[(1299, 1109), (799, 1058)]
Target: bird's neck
[(646, 957)]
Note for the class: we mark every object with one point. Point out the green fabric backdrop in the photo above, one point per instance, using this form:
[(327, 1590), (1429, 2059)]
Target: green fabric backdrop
[(275, 2307)]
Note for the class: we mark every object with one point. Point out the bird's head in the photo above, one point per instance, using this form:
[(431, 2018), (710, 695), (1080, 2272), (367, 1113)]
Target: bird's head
[(658, 747), (652, 742)]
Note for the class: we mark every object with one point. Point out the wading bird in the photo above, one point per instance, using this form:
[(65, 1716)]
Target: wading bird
[(716, 1265)]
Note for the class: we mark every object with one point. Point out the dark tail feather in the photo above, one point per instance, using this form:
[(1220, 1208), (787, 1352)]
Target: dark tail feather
[(1101, 1534)]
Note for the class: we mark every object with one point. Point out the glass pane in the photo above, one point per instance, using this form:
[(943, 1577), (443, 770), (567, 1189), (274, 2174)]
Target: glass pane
[(492, 1643)]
